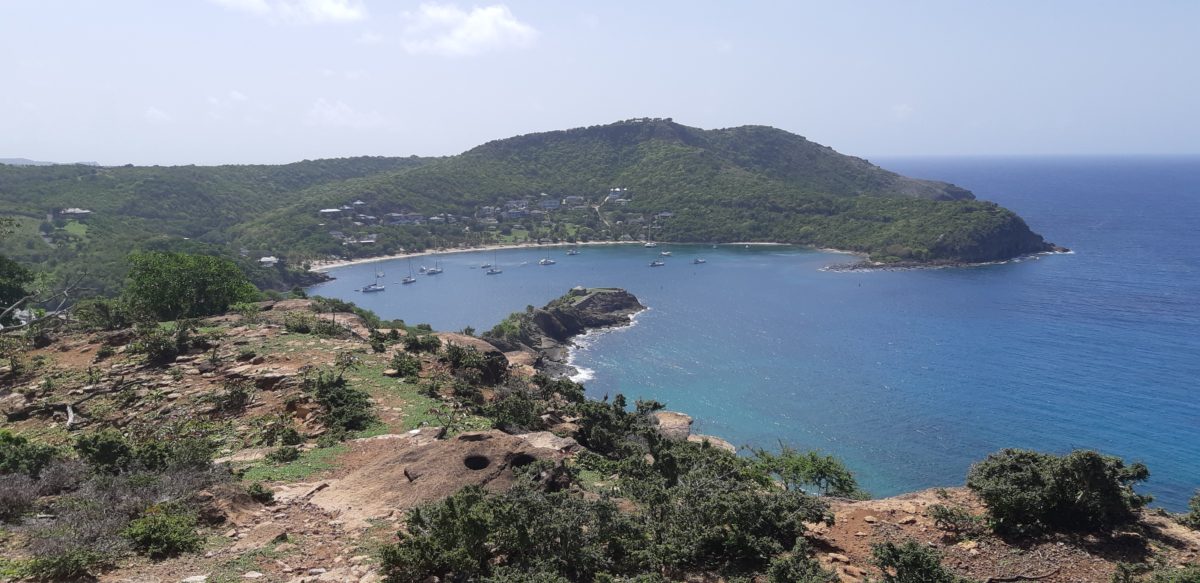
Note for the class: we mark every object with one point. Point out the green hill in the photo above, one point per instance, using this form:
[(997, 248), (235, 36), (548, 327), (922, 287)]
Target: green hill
[(680, 183), (751, 183)]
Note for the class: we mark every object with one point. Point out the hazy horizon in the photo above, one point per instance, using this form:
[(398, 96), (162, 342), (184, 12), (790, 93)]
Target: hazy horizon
[(274, 81)]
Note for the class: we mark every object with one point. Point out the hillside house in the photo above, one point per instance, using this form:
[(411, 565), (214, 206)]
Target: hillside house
[(268, 261)]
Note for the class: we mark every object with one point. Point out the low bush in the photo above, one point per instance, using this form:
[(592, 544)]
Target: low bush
[(344, 408), (1192, 518), (798, 566), (415, 342), (406, 365), (18, 492), (956, 520), (164, 531), (103, 314), (1027, 492), (235, 397), (19, 455), (260, 493), (911, 562), (284, 455), (160, 344)]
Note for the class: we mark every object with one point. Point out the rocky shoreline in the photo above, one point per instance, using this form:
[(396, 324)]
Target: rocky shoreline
[(547, 332)]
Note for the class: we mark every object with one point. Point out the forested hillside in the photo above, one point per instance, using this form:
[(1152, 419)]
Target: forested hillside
[(644, 178)]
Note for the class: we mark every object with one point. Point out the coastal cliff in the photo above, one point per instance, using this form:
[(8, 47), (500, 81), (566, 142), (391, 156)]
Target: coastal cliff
[(547, 332)]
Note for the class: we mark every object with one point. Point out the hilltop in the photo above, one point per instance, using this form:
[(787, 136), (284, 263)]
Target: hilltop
[(636, 179)]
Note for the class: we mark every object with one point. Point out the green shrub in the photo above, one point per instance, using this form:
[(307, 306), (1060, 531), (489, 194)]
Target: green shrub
[(103, 314), (236, 396), (180, 285), (162, 345), (324, 304), (798, 566), (422, 343), (68, 566), (298, 323), (106, 451), (823, 473), (260, 493), (289, 436), (109, 452), (406, 365), (19, 455), (1192, 518), (304, 323), (1027, 492), (911, 562), (164, 531), (250, 312), (343, 408), (284, 455), (956, 520)]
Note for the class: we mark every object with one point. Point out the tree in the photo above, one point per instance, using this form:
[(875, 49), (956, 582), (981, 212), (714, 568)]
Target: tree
[(13, 277), (824, 473), (1027, 492), (180, 285)]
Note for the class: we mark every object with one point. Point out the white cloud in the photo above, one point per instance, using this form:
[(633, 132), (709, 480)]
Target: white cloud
[(155, 115), (902, 111), (337, 114), (369, 38), (300, 11), (446, 30)]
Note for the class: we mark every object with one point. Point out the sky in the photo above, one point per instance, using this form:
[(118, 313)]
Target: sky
[(273, 81)]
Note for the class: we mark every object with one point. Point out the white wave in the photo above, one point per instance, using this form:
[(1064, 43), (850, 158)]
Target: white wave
[(584, 341)]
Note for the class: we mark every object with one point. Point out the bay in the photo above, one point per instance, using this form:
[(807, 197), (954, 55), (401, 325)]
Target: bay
[(908, 376)]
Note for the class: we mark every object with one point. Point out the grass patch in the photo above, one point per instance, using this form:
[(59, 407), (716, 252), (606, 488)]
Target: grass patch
[(308, 464), (76, 228)]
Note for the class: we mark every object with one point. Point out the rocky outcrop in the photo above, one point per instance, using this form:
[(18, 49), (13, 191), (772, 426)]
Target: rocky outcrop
[(547, 331)]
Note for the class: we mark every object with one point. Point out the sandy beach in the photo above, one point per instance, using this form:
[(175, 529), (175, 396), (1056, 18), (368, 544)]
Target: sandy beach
[(327, 265)]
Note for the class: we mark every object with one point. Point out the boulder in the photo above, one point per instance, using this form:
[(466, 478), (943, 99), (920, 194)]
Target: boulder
[(673, 425)]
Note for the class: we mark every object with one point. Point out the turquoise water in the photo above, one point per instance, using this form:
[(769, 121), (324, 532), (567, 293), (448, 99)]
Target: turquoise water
[(908, 376)]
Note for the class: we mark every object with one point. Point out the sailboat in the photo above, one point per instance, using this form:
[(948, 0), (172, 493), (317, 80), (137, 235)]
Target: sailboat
[(573, 250), (698, 261), (546, 261), (410, 278), (374, 287), (657, 263), (494, 266), (436, 269)]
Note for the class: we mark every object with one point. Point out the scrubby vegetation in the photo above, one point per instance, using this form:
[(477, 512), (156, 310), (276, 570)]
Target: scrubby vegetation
[(912, 562), (1028, 492), (700, 509), (116, 494)]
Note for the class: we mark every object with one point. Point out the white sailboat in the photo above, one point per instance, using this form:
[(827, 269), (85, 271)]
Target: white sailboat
[(436, 269), (410, 278), (374, 287), (494, 266)]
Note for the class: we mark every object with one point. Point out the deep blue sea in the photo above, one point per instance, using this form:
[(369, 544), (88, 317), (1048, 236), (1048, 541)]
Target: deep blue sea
[(908, 376)]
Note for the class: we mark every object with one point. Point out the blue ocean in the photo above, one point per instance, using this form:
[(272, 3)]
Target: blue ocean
[(908, 376)]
